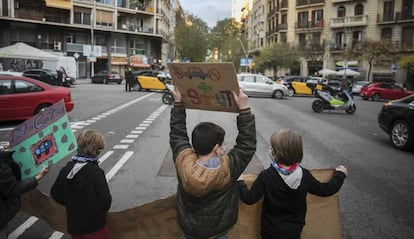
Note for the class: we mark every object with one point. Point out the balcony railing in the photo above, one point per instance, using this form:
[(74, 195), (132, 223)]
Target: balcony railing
[(386, 18), (308, 2), (353, 21)]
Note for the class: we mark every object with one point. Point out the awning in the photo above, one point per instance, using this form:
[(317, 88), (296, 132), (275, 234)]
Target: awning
[(140, 65), (62, 4), (120, 61)]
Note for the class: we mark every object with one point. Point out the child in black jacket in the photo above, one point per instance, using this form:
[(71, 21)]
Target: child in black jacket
[(284, 186)]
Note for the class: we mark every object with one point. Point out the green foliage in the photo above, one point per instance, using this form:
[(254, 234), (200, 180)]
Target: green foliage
[(278, 55), (407, 62), (191, 39), (224, 39)]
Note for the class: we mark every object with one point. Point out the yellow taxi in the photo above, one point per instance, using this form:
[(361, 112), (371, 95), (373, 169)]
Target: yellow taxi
[(299, 85), (150, 80)]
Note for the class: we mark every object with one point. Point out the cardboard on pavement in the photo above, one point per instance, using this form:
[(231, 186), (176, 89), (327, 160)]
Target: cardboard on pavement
[(158, 219), (206, 86)]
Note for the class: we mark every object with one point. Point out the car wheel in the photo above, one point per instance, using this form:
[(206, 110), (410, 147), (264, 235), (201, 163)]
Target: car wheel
[(137, 87), (351, 109), (317, 105), (278, 94), (41, 108), (376, 97), (291, 92), (399, 135), (119, 82), (364, 98), (105, 81), (167, 98)]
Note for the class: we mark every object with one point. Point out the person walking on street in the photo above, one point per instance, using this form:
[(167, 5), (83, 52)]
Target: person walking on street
[(207, 197), (12, 187), (129, 79)]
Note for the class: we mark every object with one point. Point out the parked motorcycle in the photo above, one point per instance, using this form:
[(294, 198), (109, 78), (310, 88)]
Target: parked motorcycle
[(341, 99), (168, 97)]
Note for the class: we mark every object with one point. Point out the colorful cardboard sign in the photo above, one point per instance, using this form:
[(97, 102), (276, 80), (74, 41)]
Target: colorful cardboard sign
[(206, 86), (42, 140)]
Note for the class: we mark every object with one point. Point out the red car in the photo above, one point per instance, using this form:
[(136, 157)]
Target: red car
[(379, 90), (23, 97)]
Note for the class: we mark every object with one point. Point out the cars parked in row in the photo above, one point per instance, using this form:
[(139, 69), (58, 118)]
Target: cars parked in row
[(22, 97), (106, 77), (396, 118), (49, 76), (381, 90), (357, 85), (260, 85)]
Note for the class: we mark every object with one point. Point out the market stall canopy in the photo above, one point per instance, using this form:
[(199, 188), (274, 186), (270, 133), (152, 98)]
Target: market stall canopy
[(327, 72), (347, 72), (21, 50)]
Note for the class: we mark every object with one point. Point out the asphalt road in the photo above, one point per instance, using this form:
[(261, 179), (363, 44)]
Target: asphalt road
[(376, 199)]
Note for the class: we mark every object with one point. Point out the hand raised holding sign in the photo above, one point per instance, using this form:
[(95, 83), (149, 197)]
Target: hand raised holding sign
[(241, 99), (177, 94)]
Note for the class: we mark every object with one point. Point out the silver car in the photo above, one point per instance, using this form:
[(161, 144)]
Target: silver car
[(260, 85)]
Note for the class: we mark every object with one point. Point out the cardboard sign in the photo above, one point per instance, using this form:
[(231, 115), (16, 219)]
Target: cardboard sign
[(44, 139), (206, 86), (158, 219)]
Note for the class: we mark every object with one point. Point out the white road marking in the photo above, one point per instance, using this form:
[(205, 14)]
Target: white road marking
[(121, 146), (136, 132), (23, 227), (131, 136), (119, 165), (127, 141)]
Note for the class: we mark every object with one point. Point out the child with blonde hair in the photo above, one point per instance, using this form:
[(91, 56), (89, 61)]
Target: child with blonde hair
[(82, 188)]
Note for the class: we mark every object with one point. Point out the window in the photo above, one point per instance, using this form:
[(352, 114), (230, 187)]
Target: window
[(5, 87), (407, 37), (82, 15), (356, 37), (302, 39), (340, 40), (317, 18), (262, 79), (302, 19), (386, 33), (103, 18), (26, 87), (359, 10), (341, 11), (248, 78)]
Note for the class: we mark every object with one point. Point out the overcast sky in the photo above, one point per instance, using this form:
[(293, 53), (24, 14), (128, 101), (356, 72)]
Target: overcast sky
[(209, 11)]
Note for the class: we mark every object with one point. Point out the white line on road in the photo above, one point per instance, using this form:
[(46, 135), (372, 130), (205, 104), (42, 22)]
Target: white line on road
[(22, 228), (119, 165)]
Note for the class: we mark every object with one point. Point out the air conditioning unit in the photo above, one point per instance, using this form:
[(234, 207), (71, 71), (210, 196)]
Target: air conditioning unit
[(57, 45)]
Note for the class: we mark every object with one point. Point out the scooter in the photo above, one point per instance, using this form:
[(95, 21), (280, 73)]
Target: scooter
[(168, 97), (342, 100)]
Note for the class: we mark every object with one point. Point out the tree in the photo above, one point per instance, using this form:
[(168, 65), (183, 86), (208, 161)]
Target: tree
[(371, 50), (224, 39), (191, 39), (407, 62), (276, 56), (313, 50)]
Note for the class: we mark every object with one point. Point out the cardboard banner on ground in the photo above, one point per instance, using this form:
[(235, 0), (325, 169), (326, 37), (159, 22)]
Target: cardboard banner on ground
[(158, 219), (42, 140), (206, 86)]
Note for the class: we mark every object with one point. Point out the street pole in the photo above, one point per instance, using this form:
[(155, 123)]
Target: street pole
[(244, 51), (93, 17)]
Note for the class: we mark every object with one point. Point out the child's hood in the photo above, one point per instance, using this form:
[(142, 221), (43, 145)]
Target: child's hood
[(76, 178)]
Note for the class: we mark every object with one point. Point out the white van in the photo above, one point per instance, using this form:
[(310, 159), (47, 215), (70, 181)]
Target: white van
[(68, 62)]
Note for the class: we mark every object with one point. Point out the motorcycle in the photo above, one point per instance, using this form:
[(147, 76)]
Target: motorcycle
[(168, 97), (340, 99)]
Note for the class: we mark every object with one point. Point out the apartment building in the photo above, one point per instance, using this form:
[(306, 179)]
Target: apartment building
[(340, 24), (101, 34)]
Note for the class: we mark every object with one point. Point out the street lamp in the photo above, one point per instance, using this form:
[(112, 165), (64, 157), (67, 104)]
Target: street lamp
[(92, 58)]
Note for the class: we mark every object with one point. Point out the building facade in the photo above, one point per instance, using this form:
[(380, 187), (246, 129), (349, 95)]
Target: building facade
[(339, 24), (101, 34)]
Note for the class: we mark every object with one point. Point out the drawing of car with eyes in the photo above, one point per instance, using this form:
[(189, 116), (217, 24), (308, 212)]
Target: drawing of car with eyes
[(196, 72)]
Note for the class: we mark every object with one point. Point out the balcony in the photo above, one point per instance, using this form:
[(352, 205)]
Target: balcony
[(30, 15), (386, 18), (308, 2), (341, 1), (354, 21), (272, 12)]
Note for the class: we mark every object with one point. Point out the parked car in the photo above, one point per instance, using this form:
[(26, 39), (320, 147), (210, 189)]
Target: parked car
[(44, 75), (379, 90), (150, 80), (301, 85), (106, 77), (11, 73), (356, 87), (22, 97), (260, 85), (396, 118)]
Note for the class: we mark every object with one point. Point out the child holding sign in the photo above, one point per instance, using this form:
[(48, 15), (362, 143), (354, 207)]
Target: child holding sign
[(284, 186), (207, 199)]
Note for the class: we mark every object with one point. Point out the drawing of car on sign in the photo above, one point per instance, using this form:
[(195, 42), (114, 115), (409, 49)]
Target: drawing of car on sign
[(196, 72), (44, 147)]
